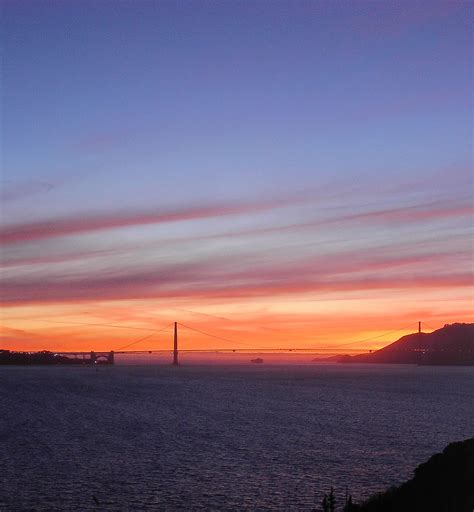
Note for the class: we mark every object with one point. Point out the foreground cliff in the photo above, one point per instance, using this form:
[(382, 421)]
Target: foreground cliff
[(451, 345), (445, 483)]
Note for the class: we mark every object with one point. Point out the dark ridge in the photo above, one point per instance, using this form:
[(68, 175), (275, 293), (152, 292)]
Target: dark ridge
[(453, 344), (445, 483)]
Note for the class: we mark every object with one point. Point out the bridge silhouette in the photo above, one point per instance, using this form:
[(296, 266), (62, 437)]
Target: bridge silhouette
[(108, 357)]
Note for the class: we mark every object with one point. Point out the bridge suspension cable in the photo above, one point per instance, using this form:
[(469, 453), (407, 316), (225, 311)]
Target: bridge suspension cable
[(429, 327), (145, 338), (99, 325), (214, 336), (251, 347), (375, 337), (154, 331)]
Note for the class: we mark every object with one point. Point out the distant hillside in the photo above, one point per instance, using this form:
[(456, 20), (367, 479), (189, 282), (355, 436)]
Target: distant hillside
[(451, 345), (326, 359)]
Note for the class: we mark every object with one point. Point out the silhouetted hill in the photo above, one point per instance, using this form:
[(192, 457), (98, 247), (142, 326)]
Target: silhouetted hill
[(451, 345), (8, 357), (445, 483), (327, 359)]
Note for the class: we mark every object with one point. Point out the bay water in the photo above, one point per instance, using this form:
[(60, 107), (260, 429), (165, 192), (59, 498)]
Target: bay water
[(200, 437)]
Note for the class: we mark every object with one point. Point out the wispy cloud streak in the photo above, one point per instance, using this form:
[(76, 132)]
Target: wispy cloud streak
[(52, 228), (417, 213), (86, 224), (221, 277), (10, 191), (147, 287)]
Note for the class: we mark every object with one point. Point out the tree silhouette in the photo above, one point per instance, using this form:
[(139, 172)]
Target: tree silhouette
[(332, 501), (325, 503)]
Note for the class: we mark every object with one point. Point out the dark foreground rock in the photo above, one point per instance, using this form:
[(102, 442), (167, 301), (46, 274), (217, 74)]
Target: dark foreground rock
[(445, 483)]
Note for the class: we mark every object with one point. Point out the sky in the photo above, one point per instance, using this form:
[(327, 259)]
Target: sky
[(274, 173)]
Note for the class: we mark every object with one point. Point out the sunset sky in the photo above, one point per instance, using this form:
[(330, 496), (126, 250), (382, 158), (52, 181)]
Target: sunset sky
[(276, 173)]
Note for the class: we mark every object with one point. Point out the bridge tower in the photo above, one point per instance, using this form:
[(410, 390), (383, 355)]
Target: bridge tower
[(420, 346), (175, 346)]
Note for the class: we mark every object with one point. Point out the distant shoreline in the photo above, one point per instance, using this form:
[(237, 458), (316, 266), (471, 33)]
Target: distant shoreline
[(45, 358)]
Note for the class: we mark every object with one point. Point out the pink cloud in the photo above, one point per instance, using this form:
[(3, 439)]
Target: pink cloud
[(223, 278), (56, 258), (86, 224), (44, 229), (410, 214), (147, 287), (417, 213)]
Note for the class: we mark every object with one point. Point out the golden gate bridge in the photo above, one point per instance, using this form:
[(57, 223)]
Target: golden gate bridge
[(108, 357)]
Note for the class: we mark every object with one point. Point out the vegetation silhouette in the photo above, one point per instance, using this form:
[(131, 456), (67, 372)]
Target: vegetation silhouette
[(445, 483)]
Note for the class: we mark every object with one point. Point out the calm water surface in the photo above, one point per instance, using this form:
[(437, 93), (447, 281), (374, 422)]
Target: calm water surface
[(220, 438)]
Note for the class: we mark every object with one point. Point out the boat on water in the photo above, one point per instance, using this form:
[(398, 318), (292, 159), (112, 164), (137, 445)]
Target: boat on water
[(259, 360)]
